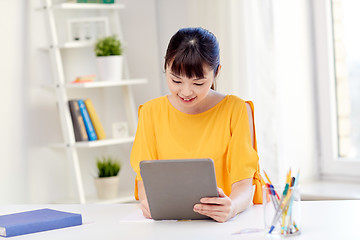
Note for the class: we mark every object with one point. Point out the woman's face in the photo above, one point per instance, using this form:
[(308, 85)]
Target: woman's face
[(189, 92)]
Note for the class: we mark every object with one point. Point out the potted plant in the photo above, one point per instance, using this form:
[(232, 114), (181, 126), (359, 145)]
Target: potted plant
[(109, 58), (107, 182)]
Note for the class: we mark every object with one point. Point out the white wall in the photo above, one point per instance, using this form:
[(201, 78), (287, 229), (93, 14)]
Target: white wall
[(33, 172), (13, 163), (139, 20)]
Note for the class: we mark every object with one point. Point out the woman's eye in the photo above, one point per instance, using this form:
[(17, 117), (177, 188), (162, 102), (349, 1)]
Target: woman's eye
[(198, 84), (175, 81)]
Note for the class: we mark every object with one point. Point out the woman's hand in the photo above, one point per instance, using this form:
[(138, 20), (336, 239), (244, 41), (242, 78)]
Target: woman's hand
[(223, 208), (144, 205), (218, 208)]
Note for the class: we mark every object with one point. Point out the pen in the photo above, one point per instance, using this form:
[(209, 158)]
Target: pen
[(292, 181), (282, 206), (295, 183), (268, 193), (283, 227), (280, 210), (267, 177), (274, 200), (285, 214), (284, 196), (289, 177), (288, 226)]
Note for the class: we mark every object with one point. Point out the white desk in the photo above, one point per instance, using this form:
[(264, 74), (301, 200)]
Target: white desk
[(320, 220)]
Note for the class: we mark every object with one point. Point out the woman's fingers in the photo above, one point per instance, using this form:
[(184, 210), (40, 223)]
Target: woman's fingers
[(145, 212), (219, 216), (221, 200), (211, 208), (145, 209), (221, 193), (216, 201), (218, 208)]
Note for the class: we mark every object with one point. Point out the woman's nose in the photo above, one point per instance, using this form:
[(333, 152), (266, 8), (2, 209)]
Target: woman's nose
[(186, 91)]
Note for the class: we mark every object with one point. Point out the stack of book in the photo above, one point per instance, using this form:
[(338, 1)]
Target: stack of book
[(86, 123)]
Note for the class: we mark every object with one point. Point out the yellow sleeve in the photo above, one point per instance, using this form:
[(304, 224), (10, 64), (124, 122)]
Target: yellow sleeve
[(144, 146), (243, 160)]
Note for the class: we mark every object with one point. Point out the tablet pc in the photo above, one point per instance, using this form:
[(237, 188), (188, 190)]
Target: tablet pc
[(173, 187)]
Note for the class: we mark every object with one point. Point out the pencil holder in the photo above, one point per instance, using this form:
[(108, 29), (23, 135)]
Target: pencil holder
[(282, 212)]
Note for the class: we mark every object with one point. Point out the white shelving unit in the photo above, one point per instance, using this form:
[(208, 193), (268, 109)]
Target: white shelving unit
[(62, 86)]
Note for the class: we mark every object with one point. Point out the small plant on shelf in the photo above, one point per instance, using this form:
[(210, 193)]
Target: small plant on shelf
[(109, 58), (107, 182), (108, 46), (108, 166)]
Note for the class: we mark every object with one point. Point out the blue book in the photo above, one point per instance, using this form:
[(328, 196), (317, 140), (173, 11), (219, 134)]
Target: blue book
[(87, 121), (36, 221)]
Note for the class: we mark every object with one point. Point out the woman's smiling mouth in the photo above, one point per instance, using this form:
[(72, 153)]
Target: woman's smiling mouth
[(187, 100)]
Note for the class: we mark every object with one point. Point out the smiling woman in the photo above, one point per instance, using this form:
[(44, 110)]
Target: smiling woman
[(192, 63), (191, 49), (195, 121)]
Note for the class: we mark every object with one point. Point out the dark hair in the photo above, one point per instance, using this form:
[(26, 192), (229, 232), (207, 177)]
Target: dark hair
[(189, 49)]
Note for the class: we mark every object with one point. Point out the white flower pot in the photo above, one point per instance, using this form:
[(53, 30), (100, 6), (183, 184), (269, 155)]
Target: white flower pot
[(107, 187), (109, 68)]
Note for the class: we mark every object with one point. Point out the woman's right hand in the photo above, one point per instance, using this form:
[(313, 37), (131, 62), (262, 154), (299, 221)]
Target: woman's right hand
[(144, 205)]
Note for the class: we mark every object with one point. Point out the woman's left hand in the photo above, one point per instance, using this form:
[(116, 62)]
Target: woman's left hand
[(218, 208)]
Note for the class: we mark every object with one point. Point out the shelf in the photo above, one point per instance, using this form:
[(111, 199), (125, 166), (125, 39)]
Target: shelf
[(77, 44), (105, 142), (97, 143), (121, 199), (69, 45), (88, 6), (64, 86), (100, 84), (73, 44)]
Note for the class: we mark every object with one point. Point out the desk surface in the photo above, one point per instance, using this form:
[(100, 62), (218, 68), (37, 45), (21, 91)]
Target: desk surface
[(320, 220)]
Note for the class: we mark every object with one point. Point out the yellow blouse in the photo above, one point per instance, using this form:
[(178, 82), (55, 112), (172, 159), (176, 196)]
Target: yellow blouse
[(221, 133)]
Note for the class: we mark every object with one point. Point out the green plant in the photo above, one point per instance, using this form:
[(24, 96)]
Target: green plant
[(108, 166), (108, 46)]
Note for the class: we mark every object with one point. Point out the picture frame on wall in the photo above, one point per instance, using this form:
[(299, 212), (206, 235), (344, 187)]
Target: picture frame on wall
[(87, 29), (120, 129)]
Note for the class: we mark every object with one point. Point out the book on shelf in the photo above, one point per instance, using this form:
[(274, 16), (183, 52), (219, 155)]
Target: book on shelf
[(87, 121), (99, 130), (37, 221), (85, 78), (78, 121)]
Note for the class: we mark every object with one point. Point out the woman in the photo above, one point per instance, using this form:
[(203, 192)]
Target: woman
[(195, 121)]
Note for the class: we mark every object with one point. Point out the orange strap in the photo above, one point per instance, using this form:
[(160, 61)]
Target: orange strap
[(258, 181)]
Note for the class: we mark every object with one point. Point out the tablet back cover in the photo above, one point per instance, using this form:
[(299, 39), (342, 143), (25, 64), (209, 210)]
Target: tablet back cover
[(173, 187)]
